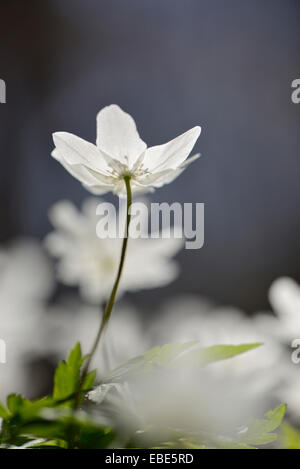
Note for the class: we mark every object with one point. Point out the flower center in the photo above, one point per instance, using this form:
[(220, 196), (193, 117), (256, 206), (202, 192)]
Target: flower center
[(122, 170)]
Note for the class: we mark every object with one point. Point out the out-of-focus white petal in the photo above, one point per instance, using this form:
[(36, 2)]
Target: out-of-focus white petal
[(71, 321), (117, 135), (190, 318), (65, 216), (25, 271), (26, 281), (178, 397), (284, 296)]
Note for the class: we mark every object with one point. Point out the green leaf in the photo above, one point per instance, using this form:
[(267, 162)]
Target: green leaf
[(4, 414), (259, 431), (51, 418), (67, 378), (156, 357), (25, 417), (89, 381), (174, 354), (289, 437), (92, 437), (33, 420), (67, 375), (166, 354), (14, 403), (57, 425), (216, 353)]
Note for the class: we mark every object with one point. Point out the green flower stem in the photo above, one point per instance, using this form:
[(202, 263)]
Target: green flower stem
[(111, 301)]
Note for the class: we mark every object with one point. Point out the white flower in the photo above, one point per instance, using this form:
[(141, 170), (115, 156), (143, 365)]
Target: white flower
[(26, 281), (119, 151), (92, 262)]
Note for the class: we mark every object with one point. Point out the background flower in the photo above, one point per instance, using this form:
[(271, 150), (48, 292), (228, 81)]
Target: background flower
[(26, 281), (154, 405), (91, 262), (284, 295), (71, 321)]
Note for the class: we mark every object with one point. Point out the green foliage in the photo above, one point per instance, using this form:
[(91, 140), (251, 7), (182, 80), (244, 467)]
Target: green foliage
[(4, 413), (67, 378), (67, 375), (289, 437), (259, 431), (60, 425), (175, 354), (256, 433), (52, 418), (53, 422), (205, 356)]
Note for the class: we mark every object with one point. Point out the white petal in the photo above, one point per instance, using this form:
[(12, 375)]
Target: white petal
[(78, 171), (93, 181), (172, 154), (160, 178), (190, 160), (117, 135), (136, 188), (168, 176), (75, 150), (99, 189), (153, 178)]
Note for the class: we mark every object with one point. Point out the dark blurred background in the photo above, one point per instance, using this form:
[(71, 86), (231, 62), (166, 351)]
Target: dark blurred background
[(172, 64)]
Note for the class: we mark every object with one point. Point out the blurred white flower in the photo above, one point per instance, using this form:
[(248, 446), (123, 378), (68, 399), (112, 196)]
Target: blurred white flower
[(92, 262), (70, 322), (182, 320), (163, 404), (284, 326), (289, 391), (25, 272), (119, 151), (266, 370), (284, 296), (190, 318), (26, 281)]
